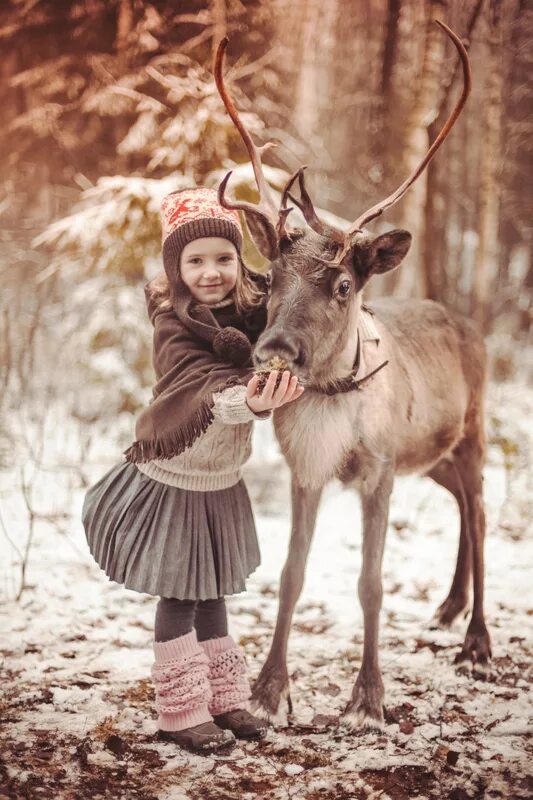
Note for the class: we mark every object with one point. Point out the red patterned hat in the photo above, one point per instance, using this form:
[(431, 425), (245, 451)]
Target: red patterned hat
[(192, 214)]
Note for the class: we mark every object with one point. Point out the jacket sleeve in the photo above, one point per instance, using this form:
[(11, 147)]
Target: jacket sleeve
[(231, 408)]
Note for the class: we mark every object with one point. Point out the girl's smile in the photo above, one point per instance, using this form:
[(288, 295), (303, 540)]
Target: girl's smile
[(209, 267)]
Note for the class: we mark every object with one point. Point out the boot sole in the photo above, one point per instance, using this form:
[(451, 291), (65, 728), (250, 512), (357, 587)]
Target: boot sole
[(256, 735), (208, 749)]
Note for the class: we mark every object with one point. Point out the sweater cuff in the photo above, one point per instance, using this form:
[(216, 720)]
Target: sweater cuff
[(231, 408), (259, 414)]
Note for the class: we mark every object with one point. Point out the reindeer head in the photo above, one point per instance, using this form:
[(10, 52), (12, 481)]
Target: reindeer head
[(314, 303), (317, 274)]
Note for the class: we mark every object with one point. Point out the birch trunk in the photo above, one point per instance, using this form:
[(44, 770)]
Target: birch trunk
[(220, 25), (384, 100), (125, 22), (440, 185), (485, 267), (313, 85), (410, 279)]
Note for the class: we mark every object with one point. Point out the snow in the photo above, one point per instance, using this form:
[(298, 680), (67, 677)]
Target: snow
[(77, 700), (293, 769)]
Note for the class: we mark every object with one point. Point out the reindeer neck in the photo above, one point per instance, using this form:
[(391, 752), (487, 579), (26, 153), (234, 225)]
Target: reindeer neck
[(350, 371), (340, 363)]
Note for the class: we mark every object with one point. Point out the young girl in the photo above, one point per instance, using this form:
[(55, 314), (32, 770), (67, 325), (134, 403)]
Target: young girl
[(174, 519)]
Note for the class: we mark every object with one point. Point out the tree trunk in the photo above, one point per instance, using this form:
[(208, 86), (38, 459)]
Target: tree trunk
[(438, 191), (125, 22), (517, 132), (218, 15), (390, 47), (313, 78), (410, 279), (384, 104), (485, 267), (307, 34)]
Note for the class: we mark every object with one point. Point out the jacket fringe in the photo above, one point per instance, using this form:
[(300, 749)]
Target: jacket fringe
[(175, 442)]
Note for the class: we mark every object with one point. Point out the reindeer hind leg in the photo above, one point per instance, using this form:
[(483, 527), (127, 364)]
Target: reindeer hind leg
[(457, 601), (468, 459)]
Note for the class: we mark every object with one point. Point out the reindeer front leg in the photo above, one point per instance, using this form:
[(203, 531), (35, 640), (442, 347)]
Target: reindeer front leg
[(273, 681), (365, 707)]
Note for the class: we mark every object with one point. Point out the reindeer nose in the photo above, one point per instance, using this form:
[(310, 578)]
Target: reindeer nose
[(276, 343)]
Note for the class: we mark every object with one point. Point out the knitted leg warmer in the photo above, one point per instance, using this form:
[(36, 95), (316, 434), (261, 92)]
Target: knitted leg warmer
[(227, 675), (180, 677)]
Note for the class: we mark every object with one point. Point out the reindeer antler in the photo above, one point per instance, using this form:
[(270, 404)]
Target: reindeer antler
[(277, 219), (346, 238), (266, 206), (308, 210)]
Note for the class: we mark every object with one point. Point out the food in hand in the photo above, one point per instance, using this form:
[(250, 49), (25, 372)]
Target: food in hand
[(273, 363)]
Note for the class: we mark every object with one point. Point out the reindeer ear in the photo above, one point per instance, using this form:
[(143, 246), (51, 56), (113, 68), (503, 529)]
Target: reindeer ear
[(382, 254), (263, 234)]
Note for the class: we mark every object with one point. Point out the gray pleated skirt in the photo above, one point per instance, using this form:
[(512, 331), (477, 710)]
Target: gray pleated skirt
[(167, 541)]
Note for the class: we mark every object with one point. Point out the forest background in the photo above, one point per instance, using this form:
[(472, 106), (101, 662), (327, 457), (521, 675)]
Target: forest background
[(108, 105)]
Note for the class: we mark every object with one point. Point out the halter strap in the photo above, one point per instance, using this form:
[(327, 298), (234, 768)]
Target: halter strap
[(351, 381)]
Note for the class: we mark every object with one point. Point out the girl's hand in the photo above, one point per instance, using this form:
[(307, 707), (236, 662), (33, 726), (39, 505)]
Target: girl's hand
[(287, 391)]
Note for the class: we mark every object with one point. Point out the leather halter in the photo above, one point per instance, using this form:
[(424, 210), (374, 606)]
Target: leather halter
[(351, 381)]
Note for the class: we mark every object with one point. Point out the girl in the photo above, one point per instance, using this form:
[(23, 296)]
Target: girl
[(174, 519)]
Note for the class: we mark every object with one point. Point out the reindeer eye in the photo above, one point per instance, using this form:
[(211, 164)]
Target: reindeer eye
[(343, 289)]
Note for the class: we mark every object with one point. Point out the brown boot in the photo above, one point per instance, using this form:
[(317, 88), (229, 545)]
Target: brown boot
[(201, 739), (243, 724)]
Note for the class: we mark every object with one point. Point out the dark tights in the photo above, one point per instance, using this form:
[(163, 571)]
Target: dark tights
[(175, 618)]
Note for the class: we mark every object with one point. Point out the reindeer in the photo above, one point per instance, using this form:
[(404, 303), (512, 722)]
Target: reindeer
[(413, 403)]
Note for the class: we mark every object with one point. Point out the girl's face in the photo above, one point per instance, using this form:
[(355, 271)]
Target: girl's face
[(209, 267)]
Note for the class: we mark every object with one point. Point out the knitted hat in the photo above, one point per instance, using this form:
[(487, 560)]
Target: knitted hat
[(194, 214)]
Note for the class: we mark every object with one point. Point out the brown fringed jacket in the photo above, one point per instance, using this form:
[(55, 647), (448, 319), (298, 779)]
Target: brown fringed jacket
[(197, 352)]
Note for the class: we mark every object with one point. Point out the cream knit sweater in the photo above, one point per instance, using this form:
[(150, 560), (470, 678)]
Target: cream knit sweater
[(215, 459)]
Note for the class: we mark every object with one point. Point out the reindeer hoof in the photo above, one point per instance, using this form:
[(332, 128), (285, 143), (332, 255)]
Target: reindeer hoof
[(278, 718), (364, 711), (270, 696), (361, 721), (474, 658), (463, 666), (481, 670)]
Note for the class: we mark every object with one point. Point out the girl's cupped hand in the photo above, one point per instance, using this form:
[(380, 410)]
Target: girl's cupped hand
[(288, 390)]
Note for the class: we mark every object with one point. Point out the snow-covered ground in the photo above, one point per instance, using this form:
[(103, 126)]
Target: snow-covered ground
[(76, 705)]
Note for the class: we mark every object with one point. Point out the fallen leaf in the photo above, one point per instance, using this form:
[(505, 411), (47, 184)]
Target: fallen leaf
[(407, 727), (452, 757)]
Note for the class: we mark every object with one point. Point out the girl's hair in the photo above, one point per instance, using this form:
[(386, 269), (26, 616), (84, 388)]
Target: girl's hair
[(247, 295)]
